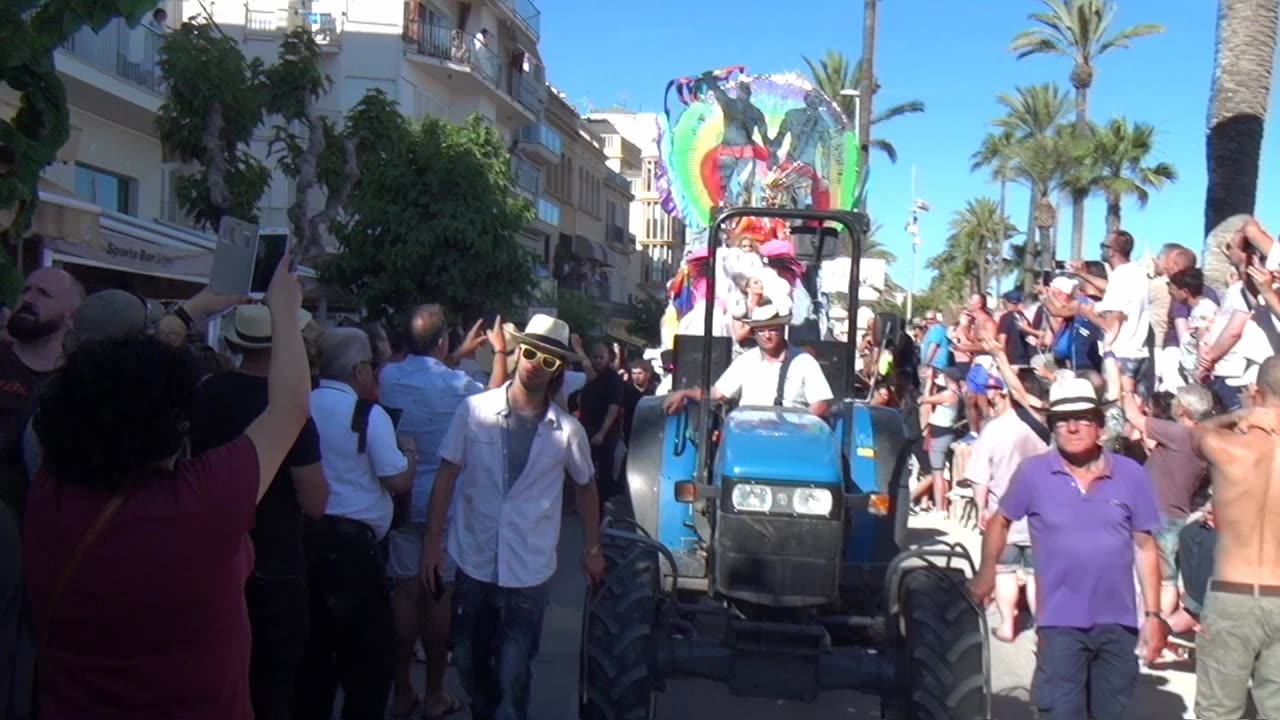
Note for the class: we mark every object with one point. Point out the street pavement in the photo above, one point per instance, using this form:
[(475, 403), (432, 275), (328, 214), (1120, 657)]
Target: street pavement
[(1161, 695)]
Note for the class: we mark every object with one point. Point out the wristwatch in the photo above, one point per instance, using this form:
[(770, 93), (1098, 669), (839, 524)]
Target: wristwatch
[(1157, 615), (595, 550)]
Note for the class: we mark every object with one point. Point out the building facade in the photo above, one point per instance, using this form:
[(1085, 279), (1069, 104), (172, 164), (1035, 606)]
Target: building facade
[(659, 237)]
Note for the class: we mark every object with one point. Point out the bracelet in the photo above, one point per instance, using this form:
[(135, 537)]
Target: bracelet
[(595, 550), (181, 313)]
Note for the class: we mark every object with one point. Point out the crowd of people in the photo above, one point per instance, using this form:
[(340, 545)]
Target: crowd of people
[(243, 526), (1117, 429)]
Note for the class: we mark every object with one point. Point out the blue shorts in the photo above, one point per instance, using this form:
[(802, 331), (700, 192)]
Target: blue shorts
[(978, 379)]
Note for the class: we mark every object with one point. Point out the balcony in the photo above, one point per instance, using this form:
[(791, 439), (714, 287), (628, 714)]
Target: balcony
[(436, 46), (617, 235), (617, 147), (531, 94), (541, 142), (526, 14), (526, 178), (326, 27), (548, 215), (128, 54)]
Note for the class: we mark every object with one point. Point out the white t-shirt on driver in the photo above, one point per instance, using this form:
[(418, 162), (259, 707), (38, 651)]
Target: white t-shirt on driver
[(752, 379)]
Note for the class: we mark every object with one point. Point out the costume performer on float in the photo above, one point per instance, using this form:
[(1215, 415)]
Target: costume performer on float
[(809, 130), (734, 160)]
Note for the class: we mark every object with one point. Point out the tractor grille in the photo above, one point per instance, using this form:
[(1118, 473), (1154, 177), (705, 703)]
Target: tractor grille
[(778, 561)]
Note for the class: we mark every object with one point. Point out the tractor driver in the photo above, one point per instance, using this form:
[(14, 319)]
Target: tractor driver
[(772, 373)]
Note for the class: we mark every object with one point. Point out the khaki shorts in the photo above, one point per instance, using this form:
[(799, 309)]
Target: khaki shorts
[(404, 555), (1238, 645)]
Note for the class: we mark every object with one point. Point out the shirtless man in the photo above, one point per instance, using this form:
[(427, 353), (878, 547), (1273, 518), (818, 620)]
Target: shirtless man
[(969, 340), (1239, 638)]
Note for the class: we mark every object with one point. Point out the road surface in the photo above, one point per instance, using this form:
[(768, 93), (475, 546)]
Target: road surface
[(1163, 695)]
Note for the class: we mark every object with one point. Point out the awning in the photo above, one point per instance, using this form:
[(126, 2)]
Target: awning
[(587, 249)]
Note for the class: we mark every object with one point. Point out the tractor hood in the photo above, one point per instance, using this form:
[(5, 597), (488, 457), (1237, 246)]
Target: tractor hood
[(778, 445)]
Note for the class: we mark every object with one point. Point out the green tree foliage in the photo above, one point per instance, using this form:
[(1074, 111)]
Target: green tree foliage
[(578, 310), (647, 324), (214, 106), (433, 219), (1117, 164), (834, 73), (30, 33), (973, 250)]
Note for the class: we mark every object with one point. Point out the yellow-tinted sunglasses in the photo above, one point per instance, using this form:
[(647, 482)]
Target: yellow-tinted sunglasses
[(550, 363)]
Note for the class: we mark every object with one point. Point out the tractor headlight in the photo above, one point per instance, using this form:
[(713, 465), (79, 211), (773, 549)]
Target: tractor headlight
[(752, 498), (811, 501)]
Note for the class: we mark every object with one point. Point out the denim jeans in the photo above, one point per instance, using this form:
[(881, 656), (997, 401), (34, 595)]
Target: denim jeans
[(496, 633), (1085, 673)]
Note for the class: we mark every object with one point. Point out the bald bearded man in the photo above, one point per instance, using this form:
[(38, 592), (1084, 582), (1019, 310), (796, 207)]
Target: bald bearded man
[(1239, 639)]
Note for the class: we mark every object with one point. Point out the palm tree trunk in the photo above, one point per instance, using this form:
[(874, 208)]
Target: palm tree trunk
[(1243, 61), (998, 263), (1113, 214), (1029, 255), (1077, 199), (868, 89)]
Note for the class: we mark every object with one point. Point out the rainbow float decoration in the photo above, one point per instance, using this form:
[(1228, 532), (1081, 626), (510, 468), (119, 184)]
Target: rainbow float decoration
[(730, 139)]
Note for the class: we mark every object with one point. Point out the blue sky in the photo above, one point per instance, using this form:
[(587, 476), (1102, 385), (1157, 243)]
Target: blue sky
[(943, 52)]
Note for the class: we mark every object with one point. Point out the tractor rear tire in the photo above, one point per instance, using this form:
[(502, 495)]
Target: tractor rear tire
[(620, 625), (944, 649)]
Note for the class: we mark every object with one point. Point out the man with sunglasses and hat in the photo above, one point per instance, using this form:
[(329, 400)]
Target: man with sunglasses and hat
[(502, 468), (1092, 515), (772, 373)]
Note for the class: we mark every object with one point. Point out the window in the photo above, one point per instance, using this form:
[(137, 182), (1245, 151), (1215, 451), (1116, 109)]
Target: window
[(103, 189), (647, 175)]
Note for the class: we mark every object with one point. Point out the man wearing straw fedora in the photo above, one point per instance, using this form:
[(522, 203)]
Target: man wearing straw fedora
[(502, 468), (276, 594), (1092, 515), (770, 374)]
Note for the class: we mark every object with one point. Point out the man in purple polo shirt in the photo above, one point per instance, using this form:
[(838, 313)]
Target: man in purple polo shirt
[(1091, 514)]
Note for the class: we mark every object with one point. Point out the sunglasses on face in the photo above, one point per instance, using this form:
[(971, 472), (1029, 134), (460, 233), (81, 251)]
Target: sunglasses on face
[(550, 363)]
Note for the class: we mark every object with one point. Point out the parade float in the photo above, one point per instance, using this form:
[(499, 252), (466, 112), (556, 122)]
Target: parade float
[(728, 139)]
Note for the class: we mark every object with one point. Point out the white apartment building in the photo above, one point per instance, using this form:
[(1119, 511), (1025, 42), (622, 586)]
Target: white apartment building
[(659, 236), (444, 58)]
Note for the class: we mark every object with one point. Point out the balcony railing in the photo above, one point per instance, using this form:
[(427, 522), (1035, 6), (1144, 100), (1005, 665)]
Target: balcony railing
[(129, 54), (325, 26), (529, 93), (616, 235), (528, 13), (526, 176), (548, 212), (456, 46), (543, 135)]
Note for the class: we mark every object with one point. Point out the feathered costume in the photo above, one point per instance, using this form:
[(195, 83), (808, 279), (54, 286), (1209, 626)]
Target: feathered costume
[(773, 264)]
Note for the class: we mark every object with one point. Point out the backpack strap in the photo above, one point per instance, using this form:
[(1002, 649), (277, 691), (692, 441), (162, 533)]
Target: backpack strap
[(99, 524), (360, 422), (788, 356)]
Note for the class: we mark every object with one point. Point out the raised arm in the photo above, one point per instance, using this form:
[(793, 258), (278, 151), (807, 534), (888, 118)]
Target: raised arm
[(288, 378)]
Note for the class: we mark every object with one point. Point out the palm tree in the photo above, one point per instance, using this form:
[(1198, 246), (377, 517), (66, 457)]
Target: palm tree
[(978, 233), (1081, 31), (1243, 60), (1120, 167), (835, 73), (996, 154), (1037, 157)]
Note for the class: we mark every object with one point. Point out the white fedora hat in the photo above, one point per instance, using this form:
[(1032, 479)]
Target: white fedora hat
[(249, 326), (1073, 395), (774, 313), (549, 334)]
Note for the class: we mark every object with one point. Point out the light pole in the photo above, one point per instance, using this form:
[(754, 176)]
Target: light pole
[(913, 229)]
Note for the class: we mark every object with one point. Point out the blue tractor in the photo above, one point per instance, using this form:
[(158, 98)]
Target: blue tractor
[(766, 548)]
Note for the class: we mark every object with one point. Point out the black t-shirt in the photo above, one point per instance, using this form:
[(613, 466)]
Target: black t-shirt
[(1015, 345), (18, 387), (630, 398), (605, 389), (224, 406)]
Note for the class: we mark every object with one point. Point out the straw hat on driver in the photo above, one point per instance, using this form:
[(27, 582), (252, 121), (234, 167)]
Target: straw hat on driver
[(249, 326), (548, 334), (1073, 395), (770, 315)]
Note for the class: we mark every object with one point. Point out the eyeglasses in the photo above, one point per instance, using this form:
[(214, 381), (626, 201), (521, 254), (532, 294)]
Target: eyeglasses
[(769, 330), (1076, 419), (550, 363)]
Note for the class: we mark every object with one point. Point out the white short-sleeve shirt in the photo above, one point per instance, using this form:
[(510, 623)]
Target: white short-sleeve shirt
[(1252, 347), (1129, 292), (752, 379), (355, 490), (501, 536)]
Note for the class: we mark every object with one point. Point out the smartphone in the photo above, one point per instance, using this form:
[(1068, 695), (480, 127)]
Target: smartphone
[(1046, 277), (272, 245)]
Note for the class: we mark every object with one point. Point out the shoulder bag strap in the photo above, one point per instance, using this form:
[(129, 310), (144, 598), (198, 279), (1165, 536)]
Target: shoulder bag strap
[(782, 375), (90, 535), (360, 422)]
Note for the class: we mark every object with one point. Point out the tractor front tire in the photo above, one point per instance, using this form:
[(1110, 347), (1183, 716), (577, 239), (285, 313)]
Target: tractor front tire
[(943, 649), (619, 627)]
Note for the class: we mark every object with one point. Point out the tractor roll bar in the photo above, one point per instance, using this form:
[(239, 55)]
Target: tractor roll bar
[(856, 223)]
